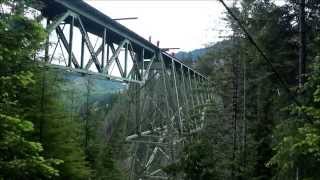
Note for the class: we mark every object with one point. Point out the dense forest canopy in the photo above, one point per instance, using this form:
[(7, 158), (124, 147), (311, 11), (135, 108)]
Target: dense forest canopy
[(254, 129), (273, 136)]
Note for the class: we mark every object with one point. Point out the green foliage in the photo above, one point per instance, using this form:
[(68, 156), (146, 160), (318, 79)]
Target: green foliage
[(298, 145), (107, 167), (31, 111), (274, 28), (23, 96), (111, 151), (20, 39), (58, 133), (198, 162), (20, 156), (205, 154)]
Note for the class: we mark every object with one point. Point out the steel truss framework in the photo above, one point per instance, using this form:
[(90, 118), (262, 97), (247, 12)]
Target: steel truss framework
[(168, 97)]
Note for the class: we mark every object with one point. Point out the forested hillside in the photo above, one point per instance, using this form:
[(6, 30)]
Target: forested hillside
[(191, 57), (56, 124), (263, 132)]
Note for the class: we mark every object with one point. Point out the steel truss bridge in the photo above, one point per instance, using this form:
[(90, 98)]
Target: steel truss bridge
[(168, 99)]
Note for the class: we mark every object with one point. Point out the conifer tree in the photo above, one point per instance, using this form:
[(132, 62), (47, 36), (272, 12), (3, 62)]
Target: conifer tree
[(20, 156)]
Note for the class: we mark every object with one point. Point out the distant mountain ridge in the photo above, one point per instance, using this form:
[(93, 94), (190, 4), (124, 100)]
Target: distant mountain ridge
[(193, 55)]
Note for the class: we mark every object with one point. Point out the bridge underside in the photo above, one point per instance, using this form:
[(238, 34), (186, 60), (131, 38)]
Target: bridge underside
[(165, 98)]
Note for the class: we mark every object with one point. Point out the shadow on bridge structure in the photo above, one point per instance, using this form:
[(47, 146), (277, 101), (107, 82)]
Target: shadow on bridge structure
[(164, 100)]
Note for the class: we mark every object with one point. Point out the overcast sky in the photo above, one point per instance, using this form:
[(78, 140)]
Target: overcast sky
[(183, 24)]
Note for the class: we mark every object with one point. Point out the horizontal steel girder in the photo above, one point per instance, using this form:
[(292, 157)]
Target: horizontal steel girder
[(95, 22)]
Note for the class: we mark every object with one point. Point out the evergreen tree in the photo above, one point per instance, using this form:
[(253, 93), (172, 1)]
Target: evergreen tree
[(112, 150), (297, 144), (35, 100), (20, 156), (58, 132)]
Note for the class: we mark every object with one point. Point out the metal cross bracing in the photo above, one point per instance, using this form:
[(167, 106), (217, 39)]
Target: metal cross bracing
[(167, 98), (166, 118)]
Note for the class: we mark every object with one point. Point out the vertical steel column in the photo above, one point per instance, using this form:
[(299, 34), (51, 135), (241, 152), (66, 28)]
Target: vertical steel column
[(203, 99), (104, 36), (142, 60), (191, 95), (137, 108), (212, 91), (125, 60), (196, 88), (202, 90), (198, 99), (190, 85), (199, 89), (205, 87), (168, 107), (82, 52), (70, 41), (209, 90), (165, 84), (184, 89), (177, 94), (202, 102), (108, 53)]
